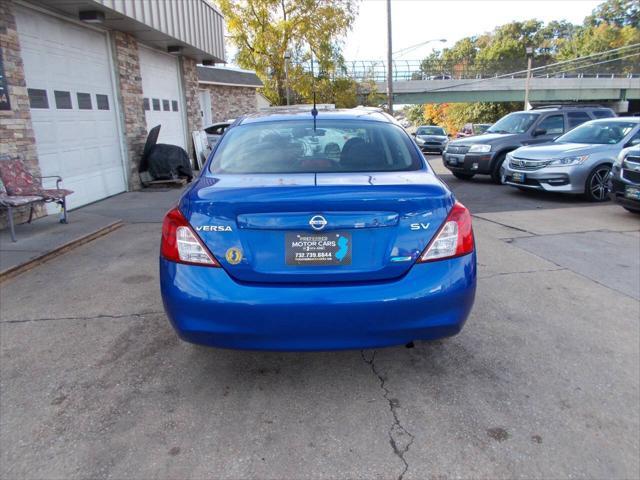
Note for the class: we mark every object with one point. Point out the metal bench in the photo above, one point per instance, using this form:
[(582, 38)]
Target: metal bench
[(18, 188)]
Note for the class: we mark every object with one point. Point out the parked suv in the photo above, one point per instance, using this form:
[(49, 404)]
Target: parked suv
[(484, 154)]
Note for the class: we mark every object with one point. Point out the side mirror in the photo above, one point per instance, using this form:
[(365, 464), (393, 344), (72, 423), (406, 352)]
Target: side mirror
[(413, 134), (539, 131)]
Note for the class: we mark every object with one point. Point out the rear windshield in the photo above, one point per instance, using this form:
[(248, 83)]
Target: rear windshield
[(333, 146), (430, 131)]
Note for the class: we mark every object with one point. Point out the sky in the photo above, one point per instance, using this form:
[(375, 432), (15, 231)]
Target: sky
[(415, 21)]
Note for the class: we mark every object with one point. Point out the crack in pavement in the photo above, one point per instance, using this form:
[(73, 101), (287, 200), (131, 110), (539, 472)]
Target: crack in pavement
[(96, 317), (500, 274), (396, 432)]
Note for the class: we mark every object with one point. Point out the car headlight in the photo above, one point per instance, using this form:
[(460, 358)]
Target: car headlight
[(568, 161), (618, 161), (480, 148), (419, 141)]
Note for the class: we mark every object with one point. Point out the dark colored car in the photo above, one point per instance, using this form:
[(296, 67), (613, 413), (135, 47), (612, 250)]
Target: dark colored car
[(625, 179), (484, 154)]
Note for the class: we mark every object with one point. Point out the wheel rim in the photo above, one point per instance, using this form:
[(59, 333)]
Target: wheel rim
[(598, 186)]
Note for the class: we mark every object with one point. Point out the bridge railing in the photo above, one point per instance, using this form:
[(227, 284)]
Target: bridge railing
[(405, 70)]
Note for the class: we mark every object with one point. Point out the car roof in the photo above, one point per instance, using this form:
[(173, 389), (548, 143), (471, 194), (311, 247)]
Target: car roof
[(616, 120), (425, 126), (364, 114)]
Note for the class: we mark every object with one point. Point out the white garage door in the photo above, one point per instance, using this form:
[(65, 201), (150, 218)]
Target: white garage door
[(68, 76), (162, 97)]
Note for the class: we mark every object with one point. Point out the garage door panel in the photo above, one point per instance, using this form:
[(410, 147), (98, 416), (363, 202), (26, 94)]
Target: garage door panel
[(80, 145), (160, 82)]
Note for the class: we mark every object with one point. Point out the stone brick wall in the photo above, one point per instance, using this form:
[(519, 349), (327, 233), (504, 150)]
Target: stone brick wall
[(16, 131), (190, 85), (131, 101), (230, 102)]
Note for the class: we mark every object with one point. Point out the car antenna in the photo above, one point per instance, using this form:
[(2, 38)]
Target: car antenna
[(314, 110)]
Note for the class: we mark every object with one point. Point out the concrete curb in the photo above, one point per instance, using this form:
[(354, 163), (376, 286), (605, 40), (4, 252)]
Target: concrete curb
[(45, 257)]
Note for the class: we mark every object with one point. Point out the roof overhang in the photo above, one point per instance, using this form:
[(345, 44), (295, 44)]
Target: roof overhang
[(195, 26)]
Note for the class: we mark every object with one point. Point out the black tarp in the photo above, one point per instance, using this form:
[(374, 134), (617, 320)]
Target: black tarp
[(162, 161)]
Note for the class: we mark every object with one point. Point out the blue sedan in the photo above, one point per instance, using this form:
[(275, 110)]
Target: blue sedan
[(317, 232)]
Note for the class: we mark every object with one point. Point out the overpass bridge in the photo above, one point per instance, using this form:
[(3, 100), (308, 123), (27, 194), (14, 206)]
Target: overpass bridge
[(602, 88)]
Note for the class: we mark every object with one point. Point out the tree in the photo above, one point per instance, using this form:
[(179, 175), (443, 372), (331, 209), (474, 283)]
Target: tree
[(265, 30), (620, 13)]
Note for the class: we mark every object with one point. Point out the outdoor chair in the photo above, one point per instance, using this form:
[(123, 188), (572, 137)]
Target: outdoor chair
[(19, 188)]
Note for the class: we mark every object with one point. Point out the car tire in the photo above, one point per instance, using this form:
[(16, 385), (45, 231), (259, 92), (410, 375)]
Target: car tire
[(496, 176), (596, 187), (463, 176)]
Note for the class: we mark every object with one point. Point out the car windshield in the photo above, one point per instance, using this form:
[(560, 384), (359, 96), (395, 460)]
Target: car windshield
[(602, 133), (513, 123), (482, 127), (430, 131), (294, 146)]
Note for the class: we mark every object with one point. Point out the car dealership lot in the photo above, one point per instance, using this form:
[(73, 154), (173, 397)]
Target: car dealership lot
[(542, 382)]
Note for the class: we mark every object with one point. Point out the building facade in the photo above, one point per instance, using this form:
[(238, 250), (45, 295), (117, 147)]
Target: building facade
[(87, 79), (227, 93)]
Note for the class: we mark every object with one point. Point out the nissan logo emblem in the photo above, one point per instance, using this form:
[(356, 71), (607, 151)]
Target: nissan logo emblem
[(318, 222)]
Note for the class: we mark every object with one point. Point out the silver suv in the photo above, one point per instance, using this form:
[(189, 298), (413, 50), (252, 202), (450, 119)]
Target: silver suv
[(577, 162)]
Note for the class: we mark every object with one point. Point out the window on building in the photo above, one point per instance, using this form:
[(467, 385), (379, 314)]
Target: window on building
[(84, 101), (145, 102), (102, 101), (156, 104), (38, 98), (165, 105), (63, 99), (553, 124), (174, 105), (576, 118)]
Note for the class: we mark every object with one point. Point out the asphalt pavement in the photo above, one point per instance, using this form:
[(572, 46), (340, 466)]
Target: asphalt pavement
[(543, 381)]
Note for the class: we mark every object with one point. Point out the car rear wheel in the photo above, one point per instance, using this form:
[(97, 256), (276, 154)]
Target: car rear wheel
[(495, 173), (597, 188), (463, 176)]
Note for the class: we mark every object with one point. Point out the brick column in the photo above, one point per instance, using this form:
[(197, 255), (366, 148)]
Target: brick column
[(192, 99), (131, 101), (16, 131)]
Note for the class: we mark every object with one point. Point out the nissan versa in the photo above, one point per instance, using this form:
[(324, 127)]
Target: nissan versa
[(281, 244)]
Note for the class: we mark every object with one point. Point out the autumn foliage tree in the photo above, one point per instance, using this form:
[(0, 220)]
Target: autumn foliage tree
[(265, 31)]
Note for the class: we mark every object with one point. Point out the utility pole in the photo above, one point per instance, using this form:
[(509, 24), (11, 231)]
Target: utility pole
[(529, 51), (389, 61), (287, 56)]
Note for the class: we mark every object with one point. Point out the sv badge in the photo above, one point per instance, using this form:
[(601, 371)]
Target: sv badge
[(419, 226)]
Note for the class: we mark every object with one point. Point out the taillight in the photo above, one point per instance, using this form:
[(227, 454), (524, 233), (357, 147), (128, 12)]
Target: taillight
[(181, 244), (454, 239)]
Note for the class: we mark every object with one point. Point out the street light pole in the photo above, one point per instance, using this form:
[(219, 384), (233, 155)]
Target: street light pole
[(389, 61), (529, 51)]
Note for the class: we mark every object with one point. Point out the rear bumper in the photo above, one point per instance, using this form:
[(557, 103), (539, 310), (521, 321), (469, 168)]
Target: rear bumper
[(206, 306)]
